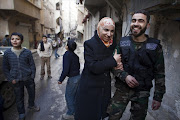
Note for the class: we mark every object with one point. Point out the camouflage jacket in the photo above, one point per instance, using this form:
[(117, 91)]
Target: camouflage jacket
[(159, 72)]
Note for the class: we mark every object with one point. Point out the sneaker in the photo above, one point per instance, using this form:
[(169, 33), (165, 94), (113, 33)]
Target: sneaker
[(42, 78), (21, 117), (107, 118), (49, 77), (35, 108), (68, 117)]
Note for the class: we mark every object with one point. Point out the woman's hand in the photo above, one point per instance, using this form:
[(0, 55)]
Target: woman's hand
[(117, 57)]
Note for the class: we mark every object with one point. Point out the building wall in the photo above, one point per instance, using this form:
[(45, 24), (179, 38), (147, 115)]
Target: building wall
[(48, 14), (21, 6), (17, 24), (37, 3), (38, 31), (56, 16), (69, 14), (80, 15), (42, 17), (168, 33), (4, 29), (20, 16), (28, 18), (27, 8), (85, 35), (90, 26), (73, 14), (80, 27), (48, 19), (65, 14), (126, 18), (20, 24), (7, 4), (144, 4)]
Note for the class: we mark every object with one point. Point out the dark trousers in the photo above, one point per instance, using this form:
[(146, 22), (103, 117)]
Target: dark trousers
[(1, 108), (19, 92)]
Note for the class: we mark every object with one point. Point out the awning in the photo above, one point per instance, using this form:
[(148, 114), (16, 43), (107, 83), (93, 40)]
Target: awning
[(79, 1), (86, 17), (59, 20), (80, 29)]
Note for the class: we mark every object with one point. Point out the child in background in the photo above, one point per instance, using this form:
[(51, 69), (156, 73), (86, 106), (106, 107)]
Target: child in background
[(56, 46), (71, 68)]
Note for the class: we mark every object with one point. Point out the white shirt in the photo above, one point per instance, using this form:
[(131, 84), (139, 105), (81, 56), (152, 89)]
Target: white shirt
[(47, 52)]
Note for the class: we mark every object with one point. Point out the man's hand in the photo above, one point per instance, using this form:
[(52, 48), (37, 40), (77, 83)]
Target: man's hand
[(119, 66), (155, 105), (13, 81), (131, 81), (59, 82)]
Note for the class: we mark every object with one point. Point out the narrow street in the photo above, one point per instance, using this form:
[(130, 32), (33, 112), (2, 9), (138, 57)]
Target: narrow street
[(61, 20)]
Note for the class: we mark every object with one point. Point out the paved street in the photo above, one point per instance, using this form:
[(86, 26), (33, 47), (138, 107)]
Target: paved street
[(49, 95)]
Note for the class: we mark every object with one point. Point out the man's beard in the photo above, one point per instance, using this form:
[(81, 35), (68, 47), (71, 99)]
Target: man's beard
[(142, 31)]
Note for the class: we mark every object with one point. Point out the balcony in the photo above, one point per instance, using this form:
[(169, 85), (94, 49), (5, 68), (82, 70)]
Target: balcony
[(156, 5), (20, 7), (94, 5)]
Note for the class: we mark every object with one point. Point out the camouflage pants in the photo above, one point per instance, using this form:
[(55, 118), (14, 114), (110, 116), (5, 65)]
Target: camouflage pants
[(139, 104)]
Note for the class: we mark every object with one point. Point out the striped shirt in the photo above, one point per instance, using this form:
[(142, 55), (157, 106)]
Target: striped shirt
[(18, 68)]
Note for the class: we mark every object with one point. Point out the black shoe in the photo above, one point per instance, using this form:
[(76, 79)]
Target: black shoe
[(49, 77), (42, 78), (34, 108), (22, 118)]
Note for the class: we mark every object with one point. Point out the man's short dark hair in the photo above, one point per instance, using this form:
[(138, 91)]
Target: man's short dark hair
[(18, 34), (71, 45), (6, 35), (44, 36), (146, 13)]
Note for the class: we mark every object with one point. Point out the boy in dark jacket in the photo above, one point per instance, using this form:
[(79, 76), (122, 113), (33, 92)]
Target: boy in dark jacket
[(19, 69), (71, 68)]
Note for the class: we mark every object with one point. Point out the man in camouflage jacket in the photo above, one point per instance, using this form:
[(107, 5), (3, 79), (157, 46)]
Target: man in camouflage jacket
[(143, 61)]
